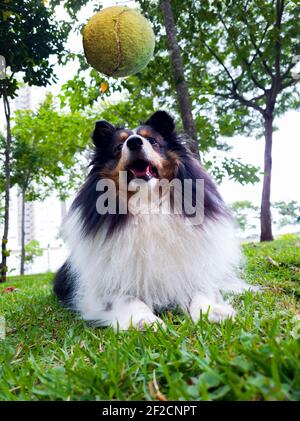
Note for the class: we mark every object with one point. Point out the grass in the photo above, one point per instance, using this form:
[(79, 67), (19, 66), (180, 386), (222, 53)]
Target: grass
[(48, 354)]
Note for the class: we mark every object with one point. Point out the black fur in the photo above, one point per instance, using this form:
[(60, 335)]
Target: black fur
[(103, 134), (92, 221), (162, 122), (191, 169), (64, 284)]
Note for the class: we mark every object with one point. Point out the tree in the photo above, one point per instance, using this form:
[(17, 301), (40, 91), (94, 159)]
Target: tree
[(249, 51), (2, 176), (286, 213), (7, 151), (252, 67), (289, 212), (46, 154), (243, 211), (29, 35), (183, 97), (32, 250)]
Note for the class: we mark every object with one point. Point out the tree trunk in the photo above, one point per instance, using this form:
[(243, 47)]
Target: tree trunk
[(265, 215), (183, 97), (22, 265), (4, 251)]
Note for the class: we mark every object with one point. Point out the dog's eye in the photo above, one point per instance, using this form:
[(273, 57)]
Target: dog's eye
[(119, 147), (152, 140)]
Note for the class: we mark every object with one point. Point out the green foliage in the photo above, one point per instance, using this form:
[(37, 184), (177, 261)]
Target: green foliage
[(283, 213), (133, 116), (289, 212), (230, 53), (29, 35), (233, 169), (32, 250), (71, 6), (242, 210), (46, 150), (48, 354), (77, 94), (1, 207)]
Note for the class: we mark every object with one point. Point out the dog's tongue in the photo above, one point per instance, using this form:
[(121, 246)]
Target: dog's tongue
[(141, 173)]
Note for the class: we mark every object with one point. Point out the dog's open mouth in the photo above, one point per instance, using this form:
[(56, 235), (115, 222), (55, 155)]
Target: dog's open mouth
[(142, 169)]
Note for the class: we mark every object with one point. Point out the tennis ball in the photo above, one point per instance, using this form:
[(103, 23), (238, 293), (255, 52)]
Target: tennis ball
[(118, 41)]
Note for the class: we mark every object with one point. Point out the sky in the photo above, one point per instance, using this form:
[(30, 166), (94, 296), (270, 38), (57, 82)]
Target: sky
[(286, 149), (285, 162)]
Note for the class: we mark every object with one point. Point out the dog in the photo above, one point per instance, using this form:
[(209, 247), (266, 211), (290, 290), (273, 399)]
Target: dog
[(126, 267)]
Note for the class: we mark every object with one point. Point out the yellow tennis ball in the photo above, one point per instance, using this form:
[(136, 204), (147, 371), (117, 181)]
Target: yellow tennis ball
[(118, 41)]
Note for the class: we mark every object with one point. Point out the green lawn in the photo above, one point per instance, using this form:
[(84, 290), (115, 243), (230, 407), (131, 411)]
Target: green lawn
[(49, 354)]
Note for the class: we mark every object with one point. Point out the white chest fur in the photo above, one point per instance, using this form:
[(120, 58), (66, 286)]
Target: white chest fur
[(157, 258)]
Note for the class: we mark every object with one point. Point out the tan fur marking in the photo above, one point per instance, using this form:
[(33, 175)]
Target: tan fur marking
[(169, 166), (123, 136), (144, 132)]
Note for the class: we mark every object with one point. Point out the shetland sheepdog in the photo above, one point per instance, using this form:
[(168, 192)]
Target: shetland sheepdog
[(133, 252)]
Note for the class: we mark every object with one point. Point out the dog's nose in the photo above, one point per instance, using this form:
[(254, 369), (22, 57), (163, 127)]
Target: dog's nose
[(135, 143)]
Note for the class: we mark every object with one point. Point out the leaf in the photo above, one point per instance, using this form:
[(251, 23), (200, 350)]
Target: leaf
[(272, 261), (158, 393), (9, 289), (104, 87), (210, 379)]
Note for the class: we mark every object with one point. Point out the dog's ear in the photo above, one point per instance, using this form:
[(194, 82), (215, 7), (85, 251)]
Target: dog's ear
[(103, 133), (162, 122)]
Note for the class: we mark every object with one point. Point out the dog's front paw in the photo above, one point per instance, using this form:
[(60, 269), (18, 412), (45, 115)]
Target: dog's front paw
[(128, 312), (146, 321), (216, 312), (142, 320)]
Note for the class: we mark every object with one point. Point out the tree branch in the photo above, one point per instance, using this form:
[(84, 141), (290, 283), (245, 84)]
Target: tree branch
[(258, 47), (260, 42), (279, 12), (183, 97), (283, 86), (240, 77), (286, 73), (219, 60), (244, 61), (276, 80), (233, 91), (248, 102)]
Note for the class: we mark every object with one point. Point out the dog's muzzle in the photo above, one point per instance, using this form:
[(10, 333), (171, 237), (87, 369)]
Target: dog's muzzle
[(139, 159)]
